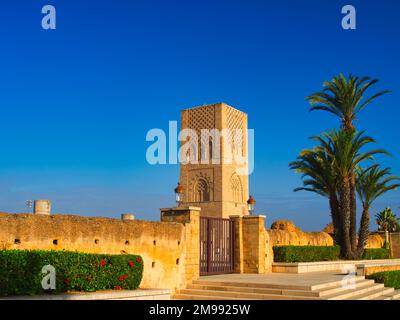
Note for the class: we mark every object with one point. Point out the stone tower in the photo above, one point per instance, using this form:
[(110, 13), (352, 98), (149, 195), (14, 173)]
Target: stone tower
[(219, 187)]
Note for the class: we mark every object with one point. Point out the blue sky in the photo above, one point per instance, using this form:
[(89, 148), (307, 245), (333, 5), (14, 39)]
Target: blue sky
[(77, 102)]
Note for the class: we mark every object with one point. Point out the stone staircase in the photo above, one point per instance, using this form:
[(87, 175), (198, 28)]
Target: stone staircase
[(359, 289)]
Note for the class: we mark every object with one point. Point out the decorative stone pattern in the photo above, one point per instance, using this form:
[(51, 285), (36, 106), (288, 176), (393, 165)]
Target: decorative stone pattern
[(201, 186), (237, 189), (215, 188), (235, 120)]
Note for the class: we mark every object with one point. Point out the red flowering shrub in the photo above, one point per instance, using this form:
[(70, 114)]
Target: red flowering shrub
[(122, 278), (21, 271)]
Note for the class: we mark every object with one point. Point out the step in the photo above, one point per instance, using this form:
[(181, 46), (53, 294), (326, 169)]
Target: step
[(251, 285), (394, 295), (372, 294), (275, 286), (351, 293), (380, 298), (337, 283), (181, 296), (340, 288), (242, 295), (255, 290)]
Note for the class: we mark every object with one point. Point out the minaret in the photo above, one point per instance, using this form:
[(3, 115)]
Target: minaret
[(218, 186)]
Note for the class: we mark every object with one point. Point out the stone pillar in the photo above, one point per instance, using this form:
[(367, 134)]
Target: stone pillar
[(127, 216), (42, 207), (253, 244), (190, 217), (238, 243)]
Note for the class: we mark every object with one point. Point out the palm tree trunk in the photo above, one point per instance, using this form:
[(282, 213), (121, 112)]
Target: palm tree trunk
[(335, 214), (344, 195), (353, 213), (364, 232)]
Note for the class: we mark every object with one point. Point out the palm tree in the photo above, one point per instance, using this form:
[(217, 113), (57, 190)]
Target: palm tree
[(319, 177), (371, 184), (345, 150), (345, 99)]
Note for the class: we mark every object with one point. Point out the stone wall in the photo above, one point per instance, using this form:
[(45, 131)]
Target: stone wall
[(375, 240), (161, 244), (395, 244), (284, 232), (374, 269), (170, 248), (190, 217)]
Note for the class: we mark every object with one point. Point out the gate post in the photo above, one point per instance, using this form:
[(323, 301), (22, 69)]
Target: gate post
[(238, 243), (253, 231), (190, 217)]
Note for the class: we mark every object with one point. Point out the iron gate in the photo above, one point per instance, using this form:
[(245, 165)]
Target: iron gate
[(216, 245)]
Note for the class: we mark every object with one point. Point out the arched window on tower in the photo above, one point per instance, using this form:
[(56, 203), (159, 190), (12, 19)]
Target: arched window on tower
[(237, 191), (202, 191)]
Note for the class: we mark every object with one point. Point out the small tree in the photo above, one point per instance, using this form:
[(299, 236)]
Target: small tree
[(371, 184), (387, 221)]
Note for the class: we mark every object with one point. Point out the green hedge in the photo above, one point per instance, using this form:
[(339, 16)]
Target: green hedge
[(21, 271), (305, 253), (389, 278), (376, 253)]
